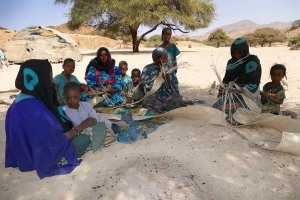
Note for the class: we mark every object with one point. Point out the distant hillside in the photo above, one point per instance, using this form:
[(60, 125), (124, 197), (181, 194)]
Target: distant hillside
[(246, 26), (84, 29)]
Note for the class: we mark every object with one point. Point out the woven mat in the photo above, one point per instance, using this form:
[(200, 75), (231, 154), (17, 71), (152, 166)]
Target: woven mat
[(272, 132)]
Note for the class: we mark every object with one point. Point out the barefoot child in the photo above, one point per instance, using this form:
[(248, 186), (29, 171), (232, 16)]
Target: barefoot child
[(273, 93), (136, 89), (172, 50), (66, 76), (123, 66)]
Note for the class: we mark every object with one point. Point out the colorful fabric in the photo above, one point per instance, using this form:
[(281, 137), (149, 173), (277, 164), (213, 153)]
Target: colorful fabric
[(60, 81), (277, 92), (126, 81), (101, 79), (85, 110), (96, 62), (166, 104), (141, 129), (100, 75), (36, 140), (133, 133), (167, 96), (149, 74)]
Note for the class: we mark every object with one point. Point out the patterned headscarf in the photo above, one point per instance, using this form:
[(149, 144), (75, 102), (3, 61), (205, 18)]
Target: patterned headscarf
[(96, 62), (159, 51), (34, 78)]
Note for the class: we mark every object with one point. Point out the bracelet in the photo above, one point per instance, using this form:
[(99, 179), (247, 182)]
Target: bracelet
[(74, 128)]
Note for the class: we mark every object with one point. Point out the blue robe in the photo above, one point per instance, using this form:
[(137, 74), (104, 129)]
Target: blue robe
[(38, 142)]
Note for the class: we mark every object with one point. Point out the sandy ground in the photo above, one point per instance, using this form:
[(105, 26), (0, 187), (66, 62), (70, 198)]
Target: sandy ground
[(183, 159)]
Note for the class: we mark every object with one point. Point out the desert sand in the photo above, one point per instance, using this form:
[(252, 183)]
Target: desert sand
[(183, 159)]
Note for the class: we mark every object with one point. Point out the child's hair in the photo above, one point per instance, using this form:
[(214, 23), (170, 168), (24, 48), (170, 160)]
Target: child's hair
[(68, 60), (123, 62), (163, 32), (278, 67), (136, 70), (71, 86)]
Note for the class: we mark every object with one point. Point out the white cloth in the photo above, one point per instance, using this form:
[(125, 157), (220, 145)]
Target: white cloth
[(135, 92), (84, 111), (2, 59)]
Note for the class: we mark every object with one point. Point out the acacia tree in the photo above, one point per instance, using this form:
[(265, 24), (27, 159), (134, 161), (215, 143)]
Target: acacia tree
[(218, 37), (251, 39), (127, 17), (269, 36)]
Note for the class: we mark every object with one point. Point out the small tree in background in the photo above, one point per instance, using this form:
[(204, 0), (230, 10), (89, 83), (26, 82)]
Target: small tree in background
[(268, 36), (294, 43), (251, 39), (218, 38)]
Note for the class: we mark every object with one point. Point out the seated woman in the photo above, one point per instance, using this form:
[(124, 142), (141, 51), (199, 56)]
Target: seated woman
[(165, 98), (244, 70), (38, 133), (102, 75)]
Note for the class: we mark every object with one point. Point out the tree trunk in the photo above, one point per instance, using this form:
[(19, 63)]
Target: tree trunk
[(135, 41)]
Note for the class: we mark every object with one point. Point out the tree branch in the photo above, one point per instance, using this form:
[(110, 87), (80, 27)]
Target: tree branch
[(152, 29), (173, 27)]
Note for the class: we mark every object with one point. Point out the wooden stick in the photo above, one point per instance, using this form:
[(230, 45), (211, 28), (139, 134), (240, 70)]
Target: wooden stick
[(6, 91)]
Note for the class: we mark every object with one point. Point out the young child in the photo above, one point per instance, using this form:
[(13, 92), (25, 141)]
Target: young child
[(136, 89), (172, 50), (66, 76), (123, 66), (273, 93), (78, 111)]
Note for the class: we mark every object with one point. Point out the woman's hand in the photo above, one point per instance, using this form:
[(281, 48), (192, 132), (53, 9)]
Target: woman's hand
[(112, 91)]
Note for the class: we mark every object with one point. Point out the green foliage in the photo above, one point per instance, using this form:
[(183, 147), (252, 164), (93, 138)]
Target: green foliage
[(2, 28), (218, 38), (118, 17), (251, 39), (268, 36), (294, 43)]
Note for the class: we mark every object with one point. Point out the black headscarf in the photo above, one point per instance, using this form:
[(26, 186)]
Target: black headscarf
[(96, 62), (240, 45), (245, 71), (34, 78)]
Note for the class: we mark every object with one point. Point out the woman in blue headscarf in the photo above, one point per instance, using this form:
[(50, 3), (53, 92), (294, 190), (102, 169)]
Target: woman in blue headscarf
[(165, 98), (38, 133)]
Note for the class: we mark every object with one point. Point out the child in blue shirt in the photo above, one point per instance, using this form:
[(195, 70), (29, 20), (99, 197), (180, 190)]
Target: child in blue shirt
[(66, 76)]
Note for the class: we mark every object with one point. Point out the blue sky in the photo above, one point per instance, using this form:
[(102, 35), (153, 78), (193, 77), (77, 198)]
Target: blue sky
[(19, 14)]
